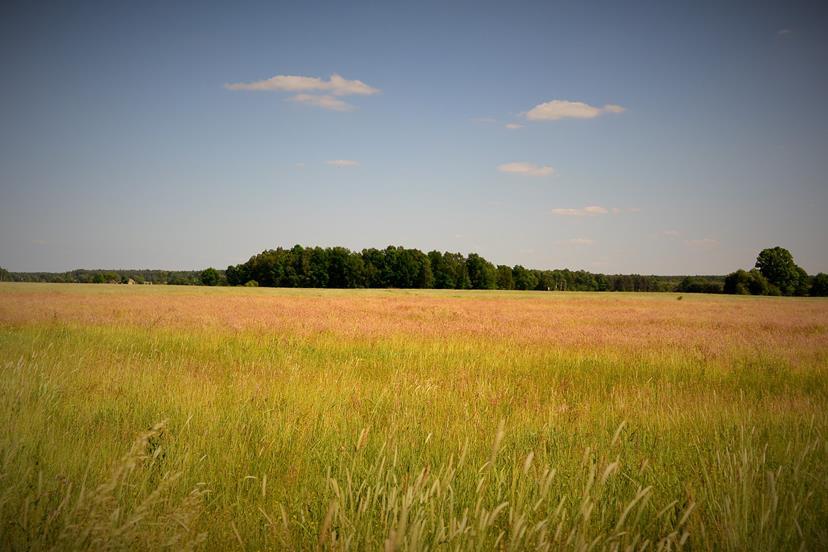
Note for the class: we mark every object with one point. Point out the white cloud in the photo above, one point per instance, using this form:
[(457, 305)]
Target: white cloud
[(704, 243), (580, 241), (526, 169), (783, 32), (300, 165), (568, 212), (671, 233), (582, 212), (513, 126), (336, 85), (325, 92), (563, 109), (325, 102), (342, 163)]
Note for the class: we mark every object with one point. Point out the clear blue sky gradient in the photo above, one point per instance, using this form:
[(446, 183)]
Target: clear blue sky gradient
[(120, 145)]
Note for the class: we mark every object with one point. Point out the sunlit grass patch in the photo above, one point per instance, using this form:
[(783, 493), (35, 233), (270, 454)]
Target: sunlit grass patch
[(341, 431)]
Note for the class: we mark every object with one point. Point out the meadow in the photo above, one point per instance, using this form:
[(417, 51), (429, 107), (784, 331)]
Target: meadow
[(149, 417)]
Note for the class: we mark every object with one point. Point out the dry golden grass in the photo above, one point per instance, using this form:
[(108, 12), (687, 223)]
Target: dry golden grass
[(369, 419), (710, 324)]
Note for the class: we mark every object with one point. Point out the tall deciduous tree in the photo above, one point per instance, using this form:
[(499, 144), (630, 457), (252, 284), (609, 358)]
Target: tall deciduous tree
[(778, 266)]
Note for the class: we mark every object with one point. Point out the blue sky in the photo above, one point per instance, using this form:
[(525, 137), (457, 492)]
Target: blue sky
[(652, 137)]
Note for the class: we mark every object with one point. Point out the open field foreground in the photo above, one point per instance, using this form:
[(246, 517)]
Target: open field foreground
[(239, 418)]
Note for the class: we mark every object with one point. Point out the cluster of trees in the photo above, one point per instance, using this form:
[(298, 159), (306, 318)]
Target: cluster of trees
[(83, 276), (776, 273), (399, 267), (700, 284)]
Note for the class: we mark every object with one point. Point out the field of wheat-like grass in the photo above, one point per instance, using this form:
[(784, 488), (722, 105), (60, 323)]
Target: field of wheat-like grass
[(239, 418)]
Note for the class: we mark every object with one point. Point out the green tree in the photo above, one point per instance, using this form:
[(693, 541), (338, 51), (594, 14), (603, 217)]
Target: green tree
[(819, 287), (482, 274), (340, 270), (373, 261), (449, 270), (209, 277), (803, 282), (744, 282), (696, 284), (236, 275), (504, 277), (4, 275), (524, 279), (443, 277), (758, 284), (778, 266)]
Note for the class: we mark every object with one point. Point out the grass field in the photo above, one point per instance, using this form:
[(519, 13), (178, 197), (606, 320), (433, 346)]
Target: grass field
[(238, 418)]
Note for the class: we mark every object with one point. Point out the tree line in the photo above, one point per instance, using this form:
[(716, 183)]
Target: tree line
[(399, 267), (107, 276), (775, 273)]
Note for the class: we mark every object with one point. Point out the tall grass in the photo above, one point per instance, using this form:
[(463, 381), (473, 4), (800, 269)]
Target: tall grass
[(123, 436)]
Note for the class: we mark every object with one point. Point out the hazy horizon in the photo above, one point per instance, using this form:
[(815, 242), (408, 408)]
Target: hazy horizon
[(643, 137)]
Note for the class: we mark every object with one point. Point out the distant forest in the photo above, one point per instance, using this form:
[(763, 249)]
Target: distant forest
[(399, 267)]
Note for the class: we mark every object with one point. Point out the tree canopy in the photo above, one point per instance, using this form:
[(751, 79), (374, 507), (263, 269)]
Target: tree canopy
[(778, 266), (399, 267), (210, 277), (775, 273), (819, 286)]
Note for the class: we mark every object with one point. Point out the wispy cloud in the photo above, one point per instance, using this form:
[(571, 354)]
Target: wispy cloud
[(342, 163), (513, 126), (325, 102), (526, 169), (484, 120), (580, 241), (671, 233), (564, 109), (335, 86), (589, 210), (783, 32), (703, 243)]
